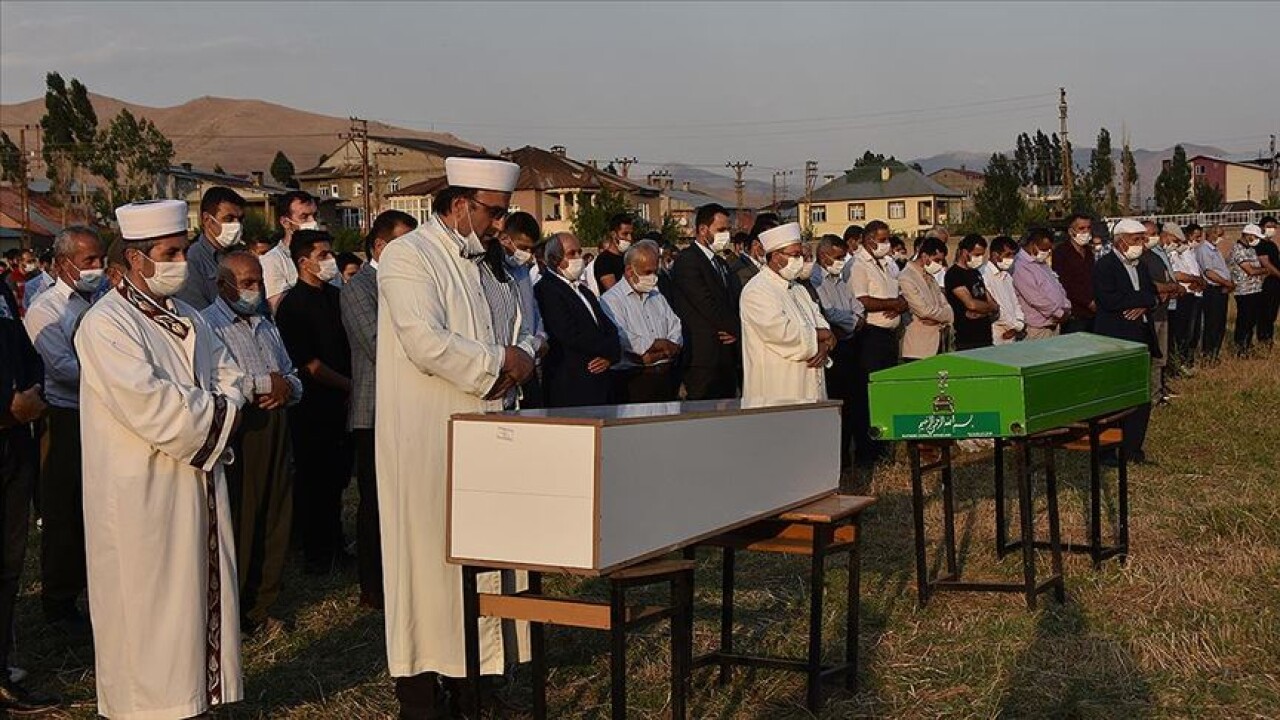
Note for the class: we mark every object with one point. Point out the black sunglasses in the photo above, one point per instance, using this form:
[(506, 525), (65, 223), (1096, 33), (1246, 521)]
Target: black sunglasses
[(495, 212)]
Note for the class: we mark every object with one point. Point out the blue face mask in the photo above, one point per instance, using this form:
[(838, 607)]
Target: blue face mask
[(248, 303)]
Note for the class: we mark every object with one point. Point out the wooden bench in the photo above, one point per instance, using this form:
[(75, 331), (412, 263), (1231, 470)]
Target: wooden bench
[(615, 617), (825, 527)]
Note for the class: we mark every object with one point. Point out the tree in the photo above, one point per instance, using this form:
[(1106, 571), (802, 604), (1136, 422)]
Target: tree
[(1174, 183), (129, 155), (1098, 183), (1129, 166), (591, 222), (1024, 159), (255, 227), (870, 159), (999, 203), (11, 166), (70, 127), (1208, 197), (283, 171)]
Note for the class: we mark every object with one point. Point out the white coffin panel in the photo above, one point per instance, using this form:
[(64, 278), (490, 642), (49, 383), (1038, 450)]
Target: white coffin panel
[(663, 483)]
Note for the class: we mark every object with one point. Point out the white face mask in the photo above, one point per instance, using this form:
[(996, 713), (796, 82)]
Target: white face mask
[(881, 250), (1133, 252), (977, 261), (644, 284), (793, 268), (1153, 240), (308, 225), (31, 268), (900, 257), (807, 269), (90, 280), (933, 267), (837, 266), (1042, 256), (1253, 241), (1082, 239), (328, 269), (230, 236), (520, 258), (168, 278), (574, 271), (1269, 232), (1004, 264), (720, 241), (624, 245)]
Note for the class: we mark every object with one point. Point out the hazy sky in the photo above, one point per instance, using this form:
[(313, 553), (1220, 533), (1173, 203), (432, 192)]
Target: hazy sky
[(771, 82)]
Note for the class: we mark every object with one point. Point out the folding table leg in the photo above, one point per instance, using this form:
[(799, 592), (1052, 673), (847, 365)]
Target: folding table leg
[(1028, 531), (917, 512), (822, 535), (1055, 530), (948, 512), (681, 642), (471, 636), (1095, 496), (1002, 538), (618, 650), (538, 648), (853, 593), (1122, 489), (727, 583)]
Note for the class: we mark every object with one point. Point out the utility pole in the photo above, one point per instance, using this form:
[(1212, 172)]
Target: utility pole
[(360, 132), (625, 164), (739, 185), (1125, 179), (810, 179), (24, 188), (1067, 180), (779, 174), (1275, 167)]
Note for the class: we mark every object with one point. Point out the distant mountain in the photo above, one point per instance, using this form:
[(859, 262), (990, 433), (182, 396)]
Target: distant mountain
[(239, 135), (755, 192)]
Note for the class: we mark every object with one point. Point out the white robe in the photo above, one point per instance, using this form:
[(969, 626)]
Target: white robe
[(780, 325), (436, 357), (156, 414)]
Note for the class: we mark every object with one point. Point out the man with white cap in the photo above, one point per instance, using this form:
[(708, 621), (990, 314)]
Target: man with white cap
[(785, 339), (1248, 274), (1126, 295), (161, 396), (437, 356)]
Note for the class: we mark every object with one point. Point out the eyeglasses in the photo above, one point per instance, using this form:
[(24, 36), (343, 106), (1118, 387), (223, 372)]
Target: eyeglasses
[(495, 212)]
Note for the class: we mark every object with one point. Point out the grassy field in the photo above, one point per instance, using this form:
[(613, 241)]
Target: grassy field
[(1190, 627)]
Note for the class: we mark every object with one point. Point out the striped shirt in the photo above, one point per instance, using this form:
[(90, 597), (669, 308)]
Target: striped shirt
[(504, 306), (256, 346), (641, 319)]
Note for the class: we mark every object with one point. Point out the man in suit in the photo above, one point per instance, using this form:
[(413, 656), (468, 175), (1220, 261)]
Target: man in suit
[(584, 341), (358, 302), (704, 292), (931, 314), (1125, 295)]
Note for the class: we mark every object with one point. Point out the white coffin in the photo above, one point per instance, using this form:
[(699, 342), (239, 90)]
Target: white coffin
[(592, 489)]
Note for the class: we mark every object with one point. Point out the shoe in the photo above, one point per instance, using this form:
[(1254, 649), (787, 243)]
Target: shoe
[(265, 631), (16, 700)]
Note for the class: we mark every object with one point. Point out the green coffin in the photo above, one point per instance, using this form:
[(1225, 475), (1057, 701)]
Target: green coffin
[(1009, 390)]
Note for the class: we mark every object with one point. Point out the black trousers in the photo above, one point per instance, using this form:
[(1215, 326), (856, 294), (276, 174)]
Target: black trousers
[(260, 489), (644, 385), (1134, 427), (322, 465), (62, 560), (847, 383), (368, 533), (19, 465), (878, 349), (1248, 310), (711, 383), (1075, 325), (1270, 308), (1214, 313), (1182, 320)]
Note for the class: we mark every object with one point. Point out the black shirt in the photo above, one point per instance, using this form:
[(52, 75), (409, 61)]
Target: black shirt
[(969, 333), (1269, 249), (20, 365), (608, 263), (310, 323)]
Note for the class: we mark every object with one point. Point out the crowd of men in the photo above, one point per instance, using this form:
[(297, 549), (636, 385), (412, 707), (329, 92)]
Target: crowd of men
[(201, 402)]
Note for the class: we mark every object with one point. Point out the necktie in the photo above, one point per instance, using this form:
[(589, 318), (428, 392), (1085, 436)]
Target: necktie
[(722, 270)]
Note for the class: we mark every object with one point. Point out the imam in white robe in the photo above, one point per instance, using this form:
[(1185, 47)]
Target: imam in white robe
[(156, 414), (436, 357), (780, 324)]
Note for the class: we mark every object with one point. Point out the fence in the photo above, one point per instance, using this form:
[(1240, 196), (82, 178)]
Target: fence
[(1242, 217)]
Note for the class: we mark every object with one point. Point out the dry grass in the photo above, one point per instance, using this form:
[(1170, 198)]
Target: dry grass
[(1189, 628)]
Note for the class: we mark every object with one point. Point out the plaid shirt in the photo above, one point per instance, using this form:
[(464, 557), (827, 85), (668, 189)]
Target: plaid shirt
[(359, 303), (255, 344)]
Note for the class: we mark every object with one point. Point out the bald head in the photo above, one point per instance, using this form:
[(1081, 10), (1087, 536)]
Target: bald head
[(239, 276)]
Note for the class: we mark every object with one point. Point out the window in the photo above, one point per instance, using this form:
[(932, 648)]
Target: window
[(924, 210), (356, 190), (944, 211), (323, 191), (818, 213), (1200, 169), (857, 211), (897, 209), (333, 191), (643, 211), (394, 184), (351, 218)]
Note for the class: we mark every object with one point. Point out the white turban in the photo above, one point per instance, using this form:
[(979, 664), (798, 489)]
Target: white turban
[(152, 219), (780, 237), (482, 174)]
